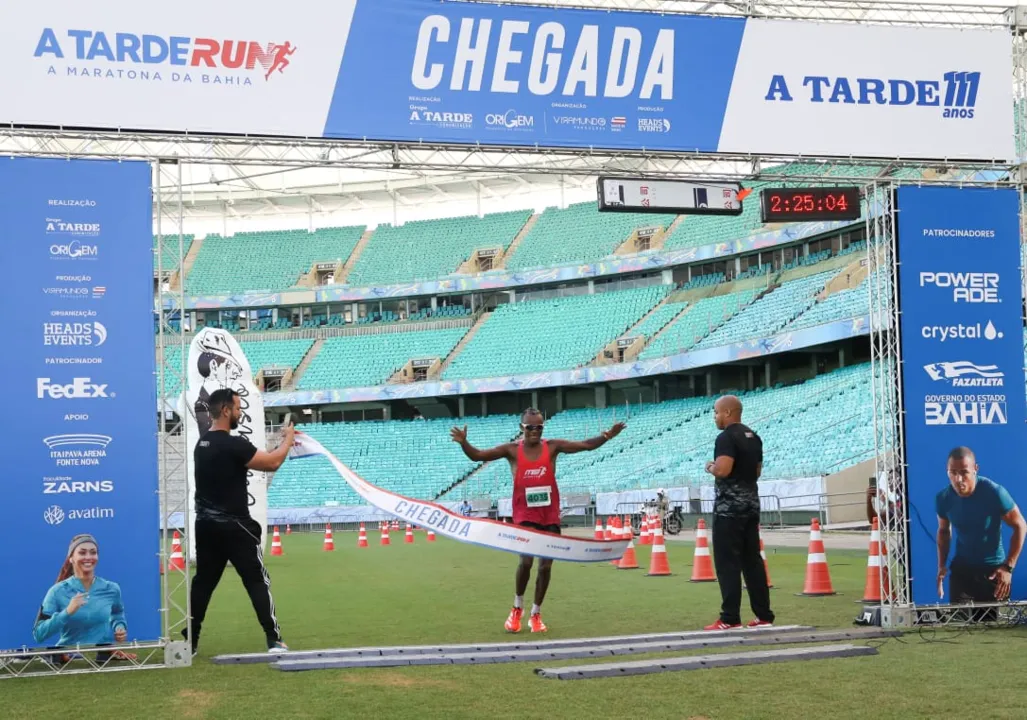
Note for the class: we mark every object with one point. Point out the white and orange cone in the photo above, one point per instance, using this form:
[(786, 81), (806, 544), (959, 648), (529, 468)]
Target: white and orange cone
[(362, 537), (599, 535), (658, 564), (608, 530), (288, 529), (628, 560), (329, 543), (408, 538), (177, 559), (431, 535), (385, 534), (877, 573), (618, 534), (644, 538), (702, 564), (276, 542), (818, 577)]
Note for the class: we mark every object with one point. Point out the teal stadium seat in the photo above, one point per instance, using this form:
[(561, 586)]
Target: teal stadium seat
[(365, 360), (427, 249), (700, 319), (266, 261), (556, 334), (580, 233), (169, 251)]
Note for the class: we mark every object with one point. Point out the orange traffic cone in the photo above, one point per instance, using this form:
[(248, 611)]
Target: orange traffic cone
[(658, 564), (628, 561), (431, 535), (385, 534), (618, 534), (702, 564), (599, 529), (763, 554), (177, 560), (276, 542), (362, 537), (288, 529), (608, 530), (409, 537), (644, 538), (877, 574), (329, 543), (818, 578), (395, 525)]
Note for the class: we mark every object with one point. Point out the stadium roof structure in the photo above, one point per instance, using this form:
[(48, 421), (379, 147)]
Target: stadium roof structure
[(262, 178)]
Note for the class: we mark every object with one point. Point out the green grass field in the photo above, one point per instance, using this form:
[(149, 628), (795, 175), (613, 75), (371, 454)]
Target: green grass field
[(448, 593)]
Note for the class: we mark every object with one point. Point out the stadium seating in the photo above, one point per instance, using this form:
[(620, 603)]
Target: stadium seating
[(701, 318), (363, 360), (428, 249), (416, 458), (169, 251), (771, 312), (275, 353), (261, 261), (556, 334), (579, 233), (658, 319)]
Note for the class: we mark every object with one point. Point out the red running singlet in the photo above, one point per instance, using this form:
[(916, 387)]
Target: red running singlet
[(536, 498)]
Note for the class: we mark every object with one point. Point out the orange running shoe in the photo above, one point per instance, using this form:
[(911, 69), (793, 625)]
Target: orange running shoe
[(536, 624), (513, 623)]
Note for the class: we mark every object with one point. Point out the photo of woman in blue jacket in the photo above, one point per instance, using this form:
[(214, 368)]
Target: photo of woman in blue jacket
[(81, 608)]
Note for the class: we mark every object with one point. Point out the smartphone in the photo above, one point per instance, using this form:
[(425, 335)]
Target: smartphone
[(288, 420), (873, 483)]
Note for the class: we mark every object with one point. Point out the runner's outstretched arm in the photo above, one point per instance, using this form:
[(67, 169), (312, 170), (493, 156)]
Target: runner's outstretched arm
[(499, 452), (575, 446)]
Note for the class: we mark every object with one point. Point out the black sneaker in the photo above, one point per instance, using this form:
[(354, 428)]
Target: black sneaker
[(195, 642)]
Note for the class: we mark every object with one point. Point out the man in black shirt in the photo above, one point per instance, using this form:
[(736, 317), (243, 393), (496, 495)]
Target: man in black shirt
[(737, 465), (225, 532)]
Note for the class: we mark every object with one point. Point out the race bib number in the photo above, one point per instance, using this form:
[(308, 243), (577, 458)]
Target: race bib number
[(538, 496)]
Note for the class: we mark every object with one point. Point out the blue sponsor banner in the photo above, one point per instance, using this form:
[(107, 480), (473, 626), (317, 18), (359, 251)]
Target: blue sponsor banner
[(508, 75), (79, 377), (963, 380)]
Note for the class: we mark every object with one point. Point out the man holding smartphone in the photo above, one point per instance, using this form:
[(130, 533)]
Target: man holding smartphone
[(225, 532)]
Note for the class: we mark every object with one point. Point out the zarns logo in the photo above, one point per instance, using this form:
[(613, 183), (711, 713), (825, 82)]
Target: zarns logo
[(955, 94)]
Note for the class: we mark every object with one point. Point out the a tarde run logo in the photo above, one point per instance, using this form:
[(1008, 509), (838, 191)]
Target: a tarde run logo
[(99, 54)]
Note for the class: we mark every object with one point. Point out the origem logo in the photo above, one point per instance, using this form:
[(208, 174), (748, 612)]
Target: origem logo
[(955, 93), (74, 251), (175, 51), (77, 389), (510, 120)]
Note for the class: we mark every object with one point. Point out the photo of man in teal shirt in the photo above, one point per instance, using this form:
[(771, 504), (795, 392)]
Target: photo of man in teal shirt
[(977, 508)]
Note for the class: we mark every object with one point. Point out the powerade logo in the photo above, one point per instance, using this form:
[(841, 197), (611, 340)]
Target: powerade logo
[(967, 287), (77, 389), (955, 93), (94, 46), (510, 120)]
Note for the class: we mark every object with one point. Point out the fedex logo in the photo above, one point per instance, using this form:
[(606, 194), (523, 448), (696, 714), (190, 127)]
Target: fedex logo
[(955, 93), (92, 45), (77, 389)]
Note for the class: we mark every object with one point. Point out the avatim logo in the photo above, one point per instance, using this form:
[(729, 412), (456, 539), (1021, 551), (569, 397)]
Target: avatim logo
[(961, 332), (510, 120), (78, 389), (75, 334), (55, 514), (967, 287), (77, 449), (654, 125), (61, 485), (955, 93), (74, 250), (965, 410), (963, 373), (56, 226)]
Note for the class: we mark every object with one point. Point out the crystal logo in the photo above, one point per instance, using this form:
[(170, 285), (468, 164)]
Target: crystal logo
[(74, 334), (964, 373), (77, 389), (967, 287), (942, 333)]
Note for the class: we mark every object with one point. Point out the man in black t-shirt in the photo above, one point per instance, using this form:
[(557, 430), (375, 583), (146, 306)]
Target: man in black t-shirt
[(737, 465), (225, 532)]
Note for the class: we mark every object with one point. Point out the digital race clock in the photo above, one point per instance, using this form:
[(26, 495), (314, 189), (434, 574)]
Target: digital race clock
[(810, 204)]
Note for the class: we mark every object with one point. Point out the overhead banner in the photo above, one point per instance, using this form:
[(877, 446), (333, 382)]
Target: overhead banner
[(79, 379), (463, 72), (963, 390), (216, 362)]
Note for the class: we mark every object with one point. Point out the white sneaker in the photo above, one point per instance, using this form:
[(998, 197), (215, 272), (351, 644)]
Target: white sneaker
[(278, 648)]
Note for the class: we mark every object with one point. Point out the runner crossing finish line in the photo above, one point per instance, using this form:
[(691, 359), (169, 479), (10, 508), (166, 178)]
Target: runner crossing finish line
[(477, 531)]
